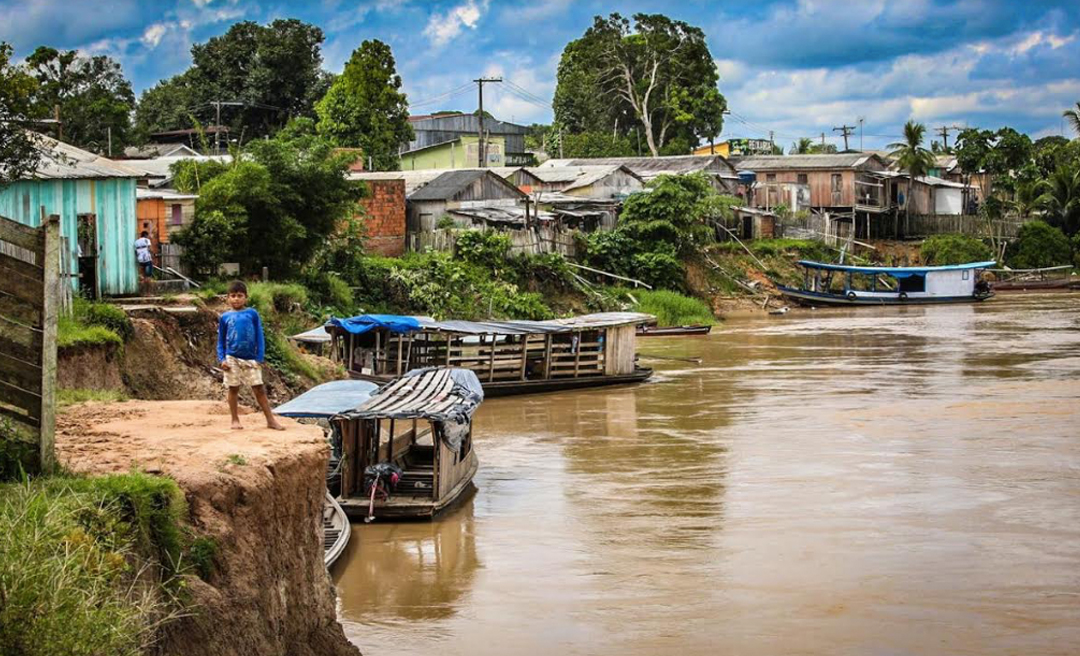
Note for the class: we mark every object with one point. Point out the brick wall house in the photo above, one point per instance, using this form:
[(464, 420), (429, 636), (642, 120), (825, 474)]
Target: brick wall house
[(384, 222)]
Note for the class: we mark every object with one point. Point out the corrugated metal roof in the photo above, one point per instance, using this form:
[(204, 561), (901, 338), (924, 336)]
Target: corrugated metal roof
[(438, 394), (577, 176), (61, 161), (651, 167), (930, 180), (805, 162), (162, 194), (453, 182), (525, 327), (160, 167), (413, 179)]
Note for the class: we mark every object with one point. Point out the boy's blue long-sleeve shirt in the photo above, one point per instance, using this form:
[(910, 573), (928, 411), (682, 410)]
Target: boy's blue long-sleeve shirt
[(240, 334)]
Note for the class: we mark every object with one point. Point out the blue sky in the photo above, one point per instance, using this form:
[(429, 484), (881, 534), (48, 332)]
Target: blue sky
[(796, 67)]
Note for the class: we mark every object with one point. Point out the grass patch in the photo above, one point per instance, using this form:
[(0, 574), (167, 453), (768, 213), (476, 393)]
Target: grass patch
[(93, 324), (236, 459), (73, 333), (673, 309), (68, 397), (72, 552)]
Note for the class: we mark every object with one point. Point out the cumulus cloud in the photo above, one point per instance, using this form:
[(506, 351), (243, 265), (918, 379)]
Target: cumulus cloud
[(152, 35), (443, 28)]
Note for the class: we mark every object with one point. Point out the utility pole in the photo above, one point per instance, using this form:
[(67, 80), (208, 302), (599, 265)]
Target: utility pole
[(861, 121), (217, 121), (944, 132), (772, 143), (480, 88), (845, 130), (822, 141)]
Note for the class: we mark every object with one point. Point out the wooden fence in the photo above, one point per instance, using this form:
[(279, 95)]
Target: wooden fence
[(533, 241), (30, 296)]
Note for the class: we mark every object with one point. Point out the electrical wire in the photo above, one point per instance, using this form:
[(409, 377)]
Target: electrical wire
[(442, 97)]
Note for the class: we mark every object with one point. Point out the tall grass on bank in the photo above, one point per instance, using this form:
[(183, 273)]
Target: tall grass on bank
[(72, 555), (673, 309)]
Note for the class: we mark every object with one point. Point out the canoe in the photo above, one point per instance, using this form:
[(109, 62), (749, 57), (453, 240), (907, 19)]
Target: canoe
[(335, 530), (654, 331)]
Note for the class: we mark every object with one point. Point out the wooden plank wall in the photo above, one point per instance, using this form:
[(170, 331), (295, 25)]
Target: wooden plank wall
[(29, 304)]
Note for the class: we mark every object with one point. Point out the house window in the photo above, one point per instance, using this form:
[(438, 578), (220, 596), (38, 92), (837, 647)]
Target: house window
[(177, 217), (802, 178), (837, 182), (770, 177), (967, 274)]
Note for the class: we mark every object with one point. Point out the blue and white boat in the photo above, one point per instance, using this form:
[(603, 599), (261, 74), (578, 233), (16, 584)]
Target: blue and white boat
[(840, 284)]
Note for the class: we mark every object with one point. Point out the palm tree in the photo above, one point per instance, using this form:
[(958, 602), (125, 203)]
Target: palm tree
[(1029, 197), (801, 147), (910, 156), (1062, 199), (1074, 118)]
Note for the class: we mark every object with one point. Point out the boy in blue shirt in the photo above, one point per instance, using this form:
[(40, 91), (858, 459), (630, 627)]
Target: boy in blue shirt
[(240, 349)]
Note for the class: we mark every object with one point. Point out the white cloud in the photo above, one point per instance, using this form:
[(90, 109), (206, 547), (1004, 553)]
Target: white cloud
[(443, 28), (152, 35)]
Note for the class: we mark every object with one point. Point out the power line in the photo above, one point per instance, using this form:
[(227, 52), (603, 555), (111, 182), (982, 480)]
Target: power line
[(442, 97)]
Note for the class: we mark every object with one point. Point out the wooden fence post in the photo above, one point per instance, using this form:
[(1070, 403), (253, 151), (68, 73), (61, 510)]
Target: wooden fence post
[(50, 313)]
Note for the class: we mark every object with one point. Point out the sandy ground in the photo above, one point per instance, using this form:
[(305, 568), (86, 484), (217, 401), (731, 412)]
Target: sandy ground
[(180, 438)]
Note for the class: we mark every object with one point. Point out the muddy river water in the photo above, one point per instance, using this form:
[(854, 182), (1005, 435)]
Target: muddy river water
[(886, 481)]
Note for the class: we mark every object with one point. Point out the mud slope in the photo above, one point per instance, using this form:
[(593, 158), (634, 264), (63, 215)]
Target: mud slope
[(257, 493)]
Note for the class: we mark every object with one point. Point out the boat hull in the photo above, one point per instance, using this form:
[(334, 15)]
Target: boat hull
[(510, 388), (336, 530), (407, 507), (805, 297), (669, 331)]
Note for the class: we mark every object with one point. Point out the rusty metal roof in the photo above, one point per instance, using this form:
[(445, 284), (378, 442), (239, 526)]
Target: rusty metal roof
[(61, 161), (806, 162)]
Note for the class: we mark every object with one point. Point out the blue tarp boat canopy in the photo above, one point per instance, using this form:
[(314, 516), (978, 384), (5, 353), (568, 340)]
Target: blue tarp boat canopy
[(328, 399), (895, 272), (405, 324), (395, 323)]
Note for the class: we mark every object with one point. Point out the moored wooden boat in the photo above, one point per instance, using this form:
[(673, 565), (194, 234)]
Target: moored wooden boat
[(667, 331), (1046, 278), (508, 357), (872, 285), (336, 530)]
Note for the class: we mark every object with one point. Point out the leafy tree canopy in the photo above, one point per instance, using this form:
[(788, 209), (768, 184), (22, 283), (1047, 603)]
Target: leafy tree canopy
[(18, 153), (1038, 244), (657, 75), (274, 206), (92, 95), (365, 107), (274, 70), (940, 250)]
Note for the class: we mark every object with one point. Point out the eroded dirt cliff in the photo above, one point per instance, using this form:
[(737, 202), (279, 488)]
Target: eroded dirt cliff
[(258, 493)]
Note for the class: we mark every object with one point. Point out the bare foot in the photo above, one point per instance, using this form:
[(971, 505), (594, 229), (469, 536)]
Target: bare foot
[(273, 425), (236, 425)]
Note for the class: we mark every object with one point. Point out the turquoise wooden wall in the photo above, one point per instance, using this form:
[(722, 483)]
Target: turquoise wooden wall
[(111, 199)]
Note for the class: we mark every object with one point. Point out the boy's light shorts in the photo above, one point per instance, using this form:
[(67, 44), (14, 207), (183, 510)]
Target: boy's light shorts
[(242, 372)]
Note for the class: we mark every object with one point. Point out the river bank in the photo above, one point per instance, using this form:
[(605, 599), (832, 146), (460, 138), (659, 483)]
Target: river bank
[(255, 494)]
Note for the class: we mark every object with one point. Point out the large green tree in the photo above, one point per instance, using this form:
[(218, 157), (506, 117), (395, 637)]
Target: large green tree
[(273, 71), (365, 107), (90, 96), (18, 152), (274, 207), (656, 74)]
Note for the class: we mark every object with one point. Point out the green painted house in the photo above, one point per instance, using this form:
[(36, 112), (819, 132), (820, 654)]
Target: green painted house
[(95, 199), (459, 153)]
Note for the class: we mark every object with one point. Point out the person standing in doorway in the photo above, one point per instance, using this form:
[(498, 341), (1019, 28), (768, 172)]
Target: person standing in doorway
[(144, 256)]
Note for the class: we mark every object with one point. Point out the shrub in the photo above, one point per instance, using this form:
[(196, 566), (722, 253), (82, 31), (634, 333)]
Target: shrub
[(486, 248), (1037, 245), (267, 297), (954, 249), (659, 269), (672, 309), (330, 290)]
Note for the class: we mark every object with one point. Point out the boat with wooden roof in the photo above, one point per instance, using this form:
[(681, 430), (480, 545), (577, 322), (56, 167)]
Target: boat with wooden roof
[(508, 357), (839, 284)]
